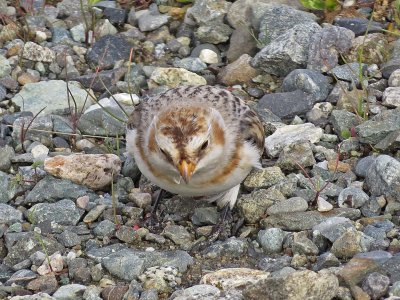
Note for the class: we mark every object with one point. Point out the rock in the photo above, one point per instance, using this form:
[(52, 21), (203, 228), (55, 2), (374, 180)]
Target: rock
[(231, 248), (99, 81), (302, 245), (241, 42), (205, 216), (358, 25), (288, 104), (192, 64), (343, 122), (294, 155), (94, 213), (116, 16), (326, 46), (179, 235), (374, 47), (238, 72), (376, 285), (323, 205), (200, 291), (70, 292), (350, 243), (378, 127), (63, 212), (105, 228), (124, 264), (271, 240), (95, 171), (56, 264), (288, 205), (108, 50), (290, 134), (263, 178), (253, 206), (332, 228), (29, 244), (7, 153), (361, 265), (279, 19), (209, 57), (208, 11), (174, 77), (349, 72), (383, 177), (394, 79), (5, 66), (297, 285), (50, 189), (44, 284), (51, 95), (352, 197), (287, 52), (326, 260), (391, 97), (151, 19), (234, 278), (213, 33), (35, 52), (308, 81), (9, 215), (298, 221)]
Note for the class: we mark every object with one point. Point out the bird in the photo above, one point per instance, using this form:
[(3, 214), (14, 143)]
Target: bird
[(196, 141)]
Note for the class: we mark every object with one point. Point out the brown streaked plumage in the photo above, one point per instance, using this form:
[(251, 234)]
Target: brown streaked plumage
[(196, 141)]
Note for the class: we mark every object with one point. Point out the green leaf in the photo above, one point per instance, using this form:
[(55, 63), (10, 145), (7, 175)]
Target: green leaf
[(345, 133), (320, 4)]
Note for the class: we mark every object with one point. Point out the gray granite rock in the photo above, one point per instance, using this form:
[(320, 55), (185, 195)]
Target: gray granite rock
[(278, 19), (290, 134), (28, 244), (288, 205), (51, 95), (287, 52), (332, 228), (271, 240), (232, 247), (308, 81), (205, 216), (70, 292), (383, 177), (343, 122), (376, 285), (326, 46), (63, 212), (151, 19), (124, 264), (287, 104), (9, 215), (108, 50), (358, 25), (352, 197), (50, 189), (380, 126)]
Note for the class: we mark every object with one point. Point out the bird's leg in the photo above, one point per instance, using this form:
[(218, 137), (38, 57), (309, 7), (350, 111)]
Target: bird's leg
[(151, 219)]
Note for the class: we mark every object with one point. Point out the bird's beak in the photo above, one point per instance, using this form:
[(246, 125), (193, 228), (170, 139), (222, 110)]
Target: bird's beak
[(186, 169)]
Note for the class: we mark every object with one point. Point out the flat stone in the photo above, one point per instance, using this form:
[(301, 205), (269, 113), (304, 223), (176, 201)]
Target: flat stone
[(297, 285), (291, 134), (95, 171), (51, 95), (174, 77), (63, 212), (238, 72)]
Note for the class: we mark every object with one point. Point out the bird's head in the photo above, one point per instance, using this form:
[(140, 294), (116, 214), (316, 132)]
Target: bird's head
[(188, 139)]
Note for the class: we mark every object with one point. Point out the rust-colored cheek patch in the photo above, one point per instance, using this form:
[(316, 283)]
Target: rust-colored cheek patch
[(218, 134), (152, 140)]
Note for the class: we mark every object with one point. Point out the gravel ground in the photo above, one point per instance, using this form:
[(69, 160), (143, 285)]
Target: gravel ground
[(320, 220)]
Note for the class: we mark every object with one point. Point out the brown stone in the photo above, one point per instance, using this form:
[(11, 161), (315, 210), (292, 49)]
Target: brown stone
[(95, 171), (356, 270), (238, 72)]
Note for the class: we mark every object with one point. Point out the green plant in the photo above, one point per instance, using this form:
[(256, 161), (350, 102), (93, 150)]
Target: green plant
[(328, 5), (90, 21)]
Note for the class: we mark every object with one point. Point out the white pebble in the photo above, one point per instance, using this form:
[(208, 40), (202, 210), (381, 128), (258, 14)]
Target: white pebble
[(323, 205), (208, 56)]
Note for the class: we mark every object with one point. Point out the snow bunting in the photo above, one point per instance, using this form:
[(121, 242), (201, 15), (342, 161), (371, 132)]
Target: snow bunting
[(196, 141)]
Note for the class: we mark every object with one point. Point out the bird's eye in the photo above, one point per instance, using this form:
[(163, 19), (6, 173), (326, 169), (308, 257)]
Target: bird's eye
[(166, 154), (204, 146)]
